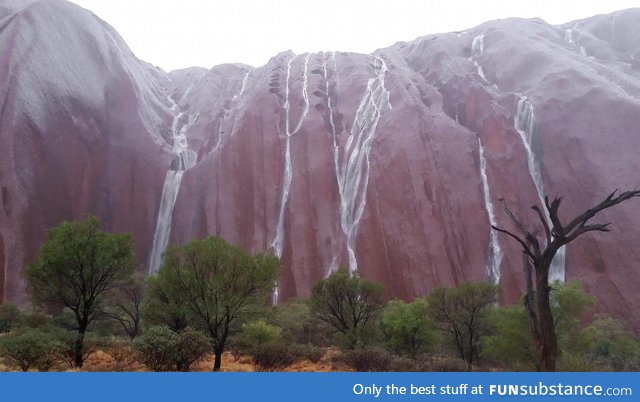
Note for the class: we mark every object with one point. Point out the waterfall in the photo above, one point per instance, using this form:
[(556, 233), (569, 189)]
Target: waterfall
[(477, 48), (278, 240), (525, 125), (352, 165), (334, 133), (495, 253), (186, 159), (568, 36), (221, 127)]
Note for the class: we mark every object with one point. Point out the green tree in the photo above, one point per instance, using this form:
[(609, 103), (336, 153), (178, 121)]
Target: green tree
[(347, 303), (569, 305), (463, 313), (163, 305), (127, 304), (77, 268), (216, 283), (408, 328), (511, 342)]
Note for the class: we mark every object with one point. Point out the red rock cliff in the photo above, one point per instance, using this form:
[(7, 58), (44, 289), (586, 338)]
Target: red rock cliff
[(393, 163)]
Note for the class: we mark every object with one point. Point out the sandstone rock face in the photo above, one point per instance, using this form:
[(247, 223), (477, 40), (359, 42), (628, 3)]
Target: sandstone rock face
[(392, 163)]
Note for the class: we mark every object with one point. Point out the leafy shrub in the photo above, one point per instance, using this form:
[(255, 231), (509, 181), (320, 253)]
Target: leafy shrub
[(613, 347), (368, 359), (121, 351), (312, 353), (31, 348), (407, 327), (9, 316), (90, 344), (154, 348), (189, 346), (292, 317), (447, 364), (162, 349), (274, 356), (255, 334), (36, 319)]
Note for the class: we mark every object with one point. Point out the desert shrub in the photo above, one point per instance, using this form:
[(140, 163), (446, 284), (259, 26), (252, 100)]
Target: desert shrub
[(511, 343), (575, 362), (408, 328), (9, 317), (368, 359), (274, 356), (447, 364), (255, 334), (154, 348), (162, 349), (613, 347), (91, 343), (189, 346), (121, 351), (36, 319), (299, 325), (31, 348), (312, 353)]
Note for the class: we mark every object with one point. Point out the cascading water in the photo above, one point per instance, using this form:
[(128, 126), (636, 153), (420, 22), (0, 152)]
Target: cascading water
[(352, 165), (221, 127), (334, 133), (568, 36), (495, 253), (278, 240), (186, 159), (477, 48), (525, 125)]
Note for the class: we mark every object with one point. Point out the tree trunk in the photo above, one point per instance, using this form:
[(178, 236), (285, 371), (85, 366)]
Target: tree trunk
[(218, 358), (79, 349), (546, 327)]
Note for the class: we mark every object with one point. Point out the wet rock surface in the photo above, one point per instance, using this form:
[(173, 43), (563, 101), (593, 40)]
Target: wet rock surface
[(391, 163)]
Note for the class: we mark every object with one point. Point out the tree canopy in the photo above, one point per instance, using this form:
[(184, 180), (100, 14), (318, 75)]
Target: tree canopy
[(77, 268), (463, 312), (215, 282), (346, 303)]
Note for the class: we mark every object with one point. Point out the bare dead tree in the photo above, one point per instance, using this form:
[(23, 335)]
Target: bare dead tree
[(537, 257)]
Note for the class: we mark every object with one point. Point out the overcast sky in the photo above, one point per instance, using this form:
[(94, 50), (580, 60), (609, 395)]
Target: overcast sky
[(175, 34)]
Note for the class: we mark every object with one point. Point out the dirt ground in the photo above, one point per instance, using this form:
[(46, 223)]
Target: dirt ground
[(102, 361)]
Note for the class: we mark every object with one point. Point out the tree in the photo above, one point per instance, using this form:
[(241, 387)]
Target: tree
[(164, 306), (216, 283), (127, 304), (407, 327), (346, 303), (77, 268), (511, 342), (463, 313), (538, 255)]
